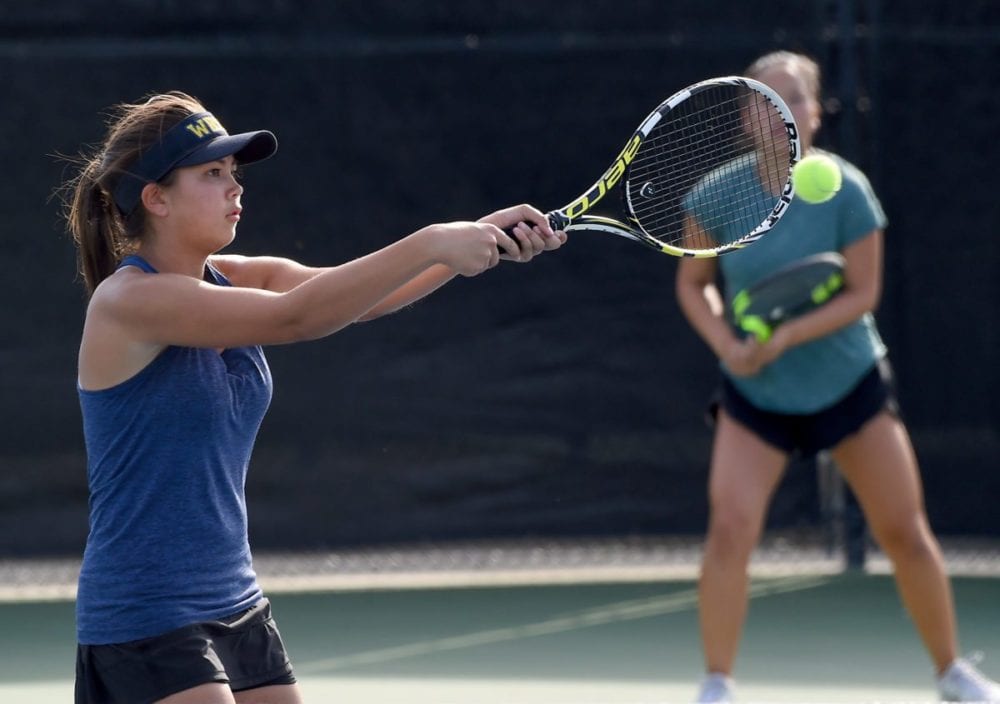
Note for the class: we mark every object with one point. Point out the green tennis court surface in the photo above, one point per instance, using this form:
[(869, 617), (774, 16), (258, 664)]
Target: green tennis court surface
[(833, 638)]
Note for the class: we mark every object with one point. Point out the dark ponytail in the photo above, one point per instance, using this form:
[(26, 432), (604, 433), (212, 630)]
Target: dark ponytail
[(96, 227)]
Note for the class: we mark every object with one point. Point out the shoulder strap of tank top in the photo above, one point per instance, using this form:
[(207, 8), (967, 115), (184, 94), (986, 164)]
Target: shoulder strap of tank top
[(136, 260), (211, 274)]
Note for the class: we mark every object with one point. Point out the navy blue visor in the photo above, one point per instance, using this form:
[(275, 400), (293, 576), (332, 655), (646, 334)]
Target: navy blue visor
[(199, 139)]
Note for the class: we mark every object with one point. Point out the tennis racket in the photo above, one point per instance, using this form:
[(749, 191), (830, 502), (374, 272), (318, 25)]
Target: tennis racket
[(794, 290), (707, 172)]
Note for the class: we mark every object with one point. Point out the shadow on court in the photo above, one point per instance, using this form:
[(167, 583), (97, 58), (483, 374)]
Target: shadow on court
[(808, 639)]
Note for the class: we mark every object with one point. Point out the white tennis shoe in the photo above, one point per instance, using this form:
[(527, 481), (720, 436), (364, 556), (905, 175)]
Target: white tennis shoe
[(716, 688), (963, 682)]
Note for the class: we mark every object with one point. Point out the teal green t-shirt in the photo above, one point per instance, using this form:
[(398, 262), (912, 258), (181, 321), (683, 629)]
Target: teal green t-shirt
[(817, 374)]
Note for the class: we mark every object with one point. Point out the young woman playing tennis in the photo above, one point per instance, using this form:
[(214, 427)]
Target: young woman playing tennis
[(820, 382), (173, 386)]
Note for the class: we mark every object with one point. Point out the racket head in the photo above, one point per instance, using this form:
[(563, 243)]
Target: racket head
[(796, 289), (723, 149)]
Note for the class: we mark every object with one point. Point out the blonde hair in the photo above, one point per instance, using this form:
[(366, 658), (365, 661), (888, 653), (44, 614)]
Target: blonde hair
[(806, 67), (102, 233)]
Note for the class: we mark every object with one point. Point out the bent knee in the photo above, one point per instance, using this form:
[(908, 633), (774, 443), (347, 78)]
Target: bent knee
[(733, 532), (910, 538)]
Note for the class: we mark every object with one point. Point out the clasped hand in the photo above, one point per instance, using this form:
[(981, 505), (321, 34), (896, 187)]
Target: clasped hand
[(747, 357)]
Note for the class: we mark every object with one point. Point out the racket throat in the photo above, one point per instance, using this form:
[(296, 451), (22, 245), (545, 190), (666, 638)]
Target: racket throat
[(558, 221)]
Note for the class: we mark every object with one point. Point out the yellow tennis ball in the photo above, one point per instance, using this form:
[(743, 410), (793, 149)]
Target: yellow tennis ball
[(816, 178)]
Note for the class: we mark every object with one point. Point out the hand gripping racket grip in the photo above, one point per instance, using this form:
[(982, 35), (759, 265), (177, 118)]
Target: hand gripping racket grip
[(557, 221)]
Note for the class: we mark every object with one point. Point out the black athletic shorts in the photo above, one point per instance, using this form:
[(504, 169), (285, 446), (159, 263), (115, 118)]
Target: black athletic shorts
[(808, 434), (243, 650)]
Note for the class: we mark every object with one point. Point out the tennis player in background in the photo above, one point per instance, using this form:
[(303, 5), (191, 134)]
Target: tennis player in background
[(820, 382), (173, 386)]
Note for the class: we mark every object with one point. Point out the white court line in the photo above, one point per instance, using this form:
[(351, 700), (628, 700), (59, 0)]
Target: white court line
[(602, 615)]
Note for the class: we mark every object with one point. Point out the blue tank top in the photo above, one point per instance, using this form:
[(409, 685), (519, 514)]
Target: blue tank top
[(167, 458)]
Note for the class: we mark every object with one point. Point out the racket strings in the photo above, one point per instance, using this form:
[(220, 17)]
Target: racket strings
[(711, 170)]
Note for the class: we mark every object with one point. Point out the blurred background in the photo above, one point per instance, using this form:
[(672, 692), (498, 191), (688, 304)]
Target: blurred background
[(563, 399)]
